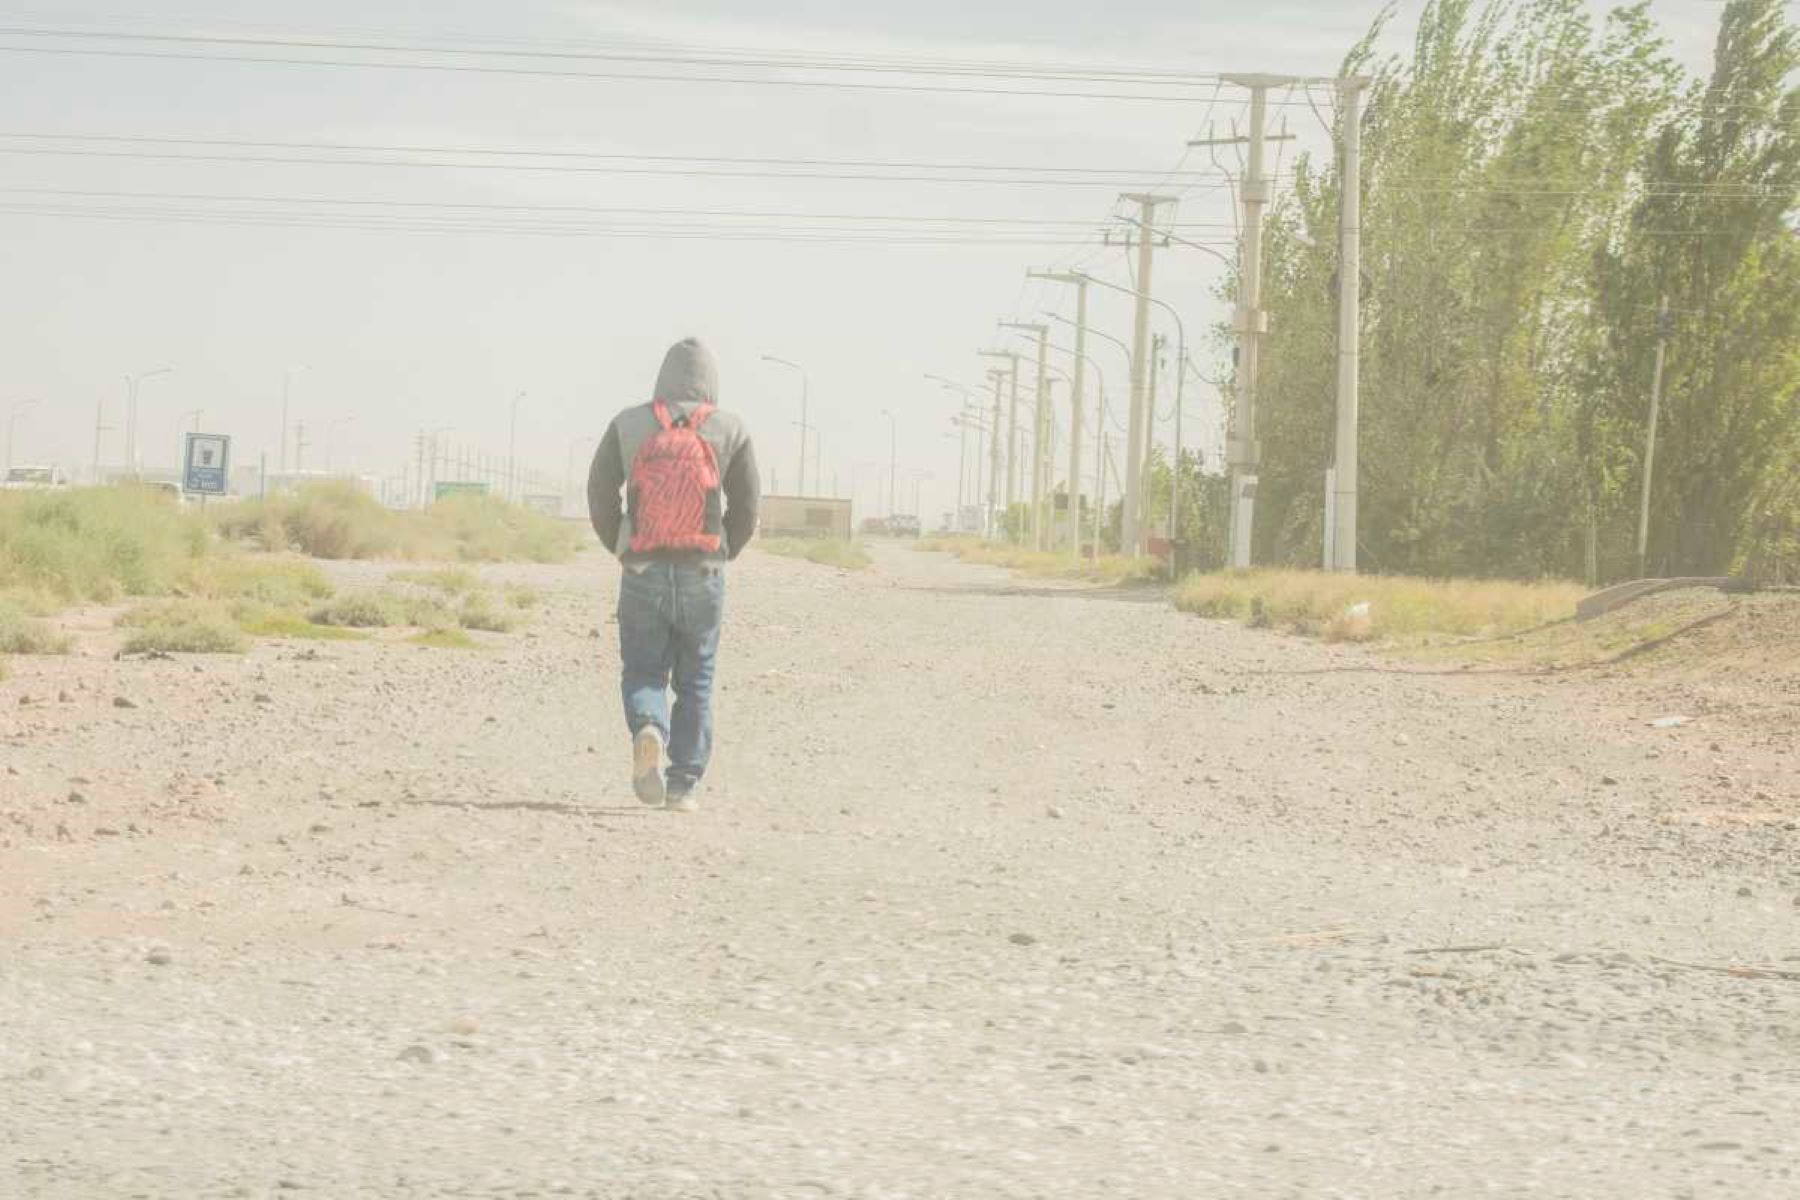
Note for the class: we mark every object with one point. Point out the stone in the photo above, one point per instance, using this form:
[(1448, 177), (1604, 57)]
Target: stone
[(416, 1053)]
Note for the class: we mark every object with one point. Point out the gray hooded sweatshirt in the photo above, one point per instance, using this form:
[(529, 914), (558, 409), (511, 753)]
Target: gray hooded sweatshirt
[(689, 378)]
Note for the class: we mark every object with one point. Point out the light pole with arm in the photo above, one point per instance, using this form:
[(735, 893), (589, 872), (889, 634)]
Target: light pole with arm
[(893, 458), (805, 387), (1040, 437), (287, 381), (330, 429), (1003, 509), (1077, 396), (12, 420), (131, 421), (1150, 422), (512, 450)]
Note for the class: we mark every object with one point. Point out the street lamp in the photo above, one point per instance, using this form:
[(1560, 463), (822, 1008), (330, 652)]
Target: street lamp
[(569, 461), (12, 419), (330, 428), (287, 378), (512, 451), (893, 456), (805, 387), (131, 422)]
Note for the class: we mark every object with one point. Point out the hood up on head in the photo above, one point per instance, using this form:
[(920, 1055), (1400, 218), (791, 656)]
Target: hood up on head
[(689, 376)]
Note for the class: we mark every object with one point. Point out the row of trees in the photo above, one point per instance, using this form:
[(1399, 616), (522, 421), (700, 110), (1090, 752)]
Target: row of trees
[(1537, 182)]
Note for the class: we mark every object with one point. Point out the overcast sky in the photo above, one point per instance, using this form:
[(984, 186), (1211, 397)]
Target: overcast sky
[(404, 329)]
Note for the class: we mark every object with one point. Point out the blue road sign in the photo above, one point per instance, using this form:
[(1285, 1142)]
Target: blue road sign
[(207, 469)]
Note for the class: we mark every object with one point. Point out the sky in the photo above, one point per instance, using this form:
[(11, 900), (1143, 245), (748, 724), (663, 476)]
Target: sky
[(507, 247)]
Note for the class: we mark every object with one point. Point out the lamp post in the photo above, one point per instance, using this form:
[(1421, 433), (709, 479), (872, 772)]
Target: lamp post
[(12, 420), (1150, 421), (330, 429), (131, 421), (287, 380), (893, 458), (512, 450), (805, 388)]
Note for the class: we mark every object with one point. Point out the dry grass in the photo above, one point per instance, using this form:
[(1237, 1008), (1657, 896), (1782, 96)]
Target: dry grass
[(445, 639), (1376, 608), (1111, 568), (182, 627), (340, 521), (479, 611), (827, 552), (21, 633), (455, 581)]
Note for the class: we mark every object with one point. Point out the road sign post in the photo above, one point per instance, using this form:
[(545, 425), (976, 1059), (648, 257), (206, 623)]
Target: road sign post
[(206, 467)]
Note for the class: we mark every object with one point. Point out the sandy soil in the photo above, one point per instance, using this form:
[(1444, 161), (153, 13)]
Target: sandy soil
[(997, 890)]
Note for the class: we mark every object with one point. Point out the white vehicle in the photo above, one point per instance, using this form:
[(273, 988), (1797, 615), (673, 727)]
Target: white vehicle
[(35, 479)]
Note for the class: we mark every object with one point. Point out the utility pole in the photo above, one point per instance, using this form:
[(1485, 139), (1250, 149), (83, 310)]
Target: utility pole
[(1252, 323), (1140, 338), (1012, 433), (300, 445), (1664, 327), (1077, 396), (1157, 342), (998, 377), (1346, 466), (99, 428), (805, 387), (1039, 426), (893, 459)]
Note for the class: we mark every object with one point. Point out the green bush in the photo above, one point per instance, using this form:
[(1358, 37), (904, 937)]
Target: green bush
[(97, 544)]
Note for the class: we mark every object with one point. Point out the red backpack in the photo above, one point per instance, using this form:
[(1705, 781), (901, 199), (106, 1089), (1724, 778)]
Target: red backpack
[(674, 489)]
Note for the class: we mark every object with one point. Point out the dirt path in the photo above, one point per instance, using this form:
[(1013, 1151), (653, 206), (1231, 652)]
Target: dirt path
[(996, 891)]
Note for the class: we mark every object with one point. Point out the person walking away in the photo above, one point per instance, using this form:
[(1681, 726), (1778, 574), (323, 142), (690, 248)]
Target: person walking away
[(673, 492)]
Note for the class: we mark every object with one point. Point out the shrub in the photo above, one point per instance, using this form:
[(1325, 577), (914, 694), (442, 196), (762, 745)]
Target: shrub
[(181, 627), (22, 634), (456, 581), (97, 543), (480, 612)]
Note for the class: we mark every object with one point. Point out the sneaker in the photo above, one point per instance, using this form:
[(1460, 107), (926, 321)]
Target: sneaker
[(646, 766), (682, 799)]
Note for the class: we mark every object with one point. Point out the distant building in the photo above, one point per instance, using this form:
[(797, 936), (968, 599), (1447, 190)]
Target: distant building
[(806, 516)]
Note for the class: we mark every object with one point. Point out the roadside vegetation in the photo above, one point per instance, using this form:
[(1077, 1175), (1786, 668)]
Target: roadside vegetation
[(196, 585), (339, 521), (827, 552), (1110, 568), (1361, 608)]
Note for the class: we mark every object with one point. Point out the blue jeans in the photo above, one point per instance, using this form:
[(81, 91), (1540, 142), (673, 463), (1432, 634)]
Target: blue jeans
[(669, 619)]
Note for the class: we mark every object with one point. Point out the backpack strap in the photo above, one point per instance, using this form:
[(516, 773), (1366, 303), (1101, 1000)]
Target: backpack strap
[(662, 414), (698, 418)]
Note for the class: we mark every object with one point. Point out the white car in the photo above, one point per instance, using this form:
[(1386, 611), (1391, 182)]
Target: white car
[(34, 479)]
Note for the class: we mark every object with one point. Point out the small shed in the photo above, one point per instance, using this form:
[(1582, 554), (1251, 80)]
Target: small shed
[(805, 517)]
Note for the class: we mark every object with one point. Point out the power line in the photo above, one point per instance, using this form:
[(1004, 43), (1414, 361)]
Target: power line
[(717, 56), (628, 76)]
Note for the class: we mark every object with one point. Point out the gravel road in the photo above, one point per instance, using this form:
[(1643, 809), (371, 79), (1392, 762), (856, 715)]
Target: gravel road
[(997, 890)]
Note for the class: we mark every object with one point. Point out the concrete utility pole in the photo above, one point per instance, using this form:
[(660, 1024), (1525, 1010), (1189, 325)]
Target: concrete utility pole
[(1140, 338), (998, 378), (1157, 343), (1040, 435), (1077, 396), (1012, 433), (1252, 322), (805, 387), (1664, 327), (893, 459), (1345, 468)]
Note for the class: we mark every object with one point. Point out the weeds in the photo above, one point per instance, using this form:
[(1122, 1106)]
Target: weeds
[(480, 612), (1112, 568), (827, 552), (1364, 607), (21, 633), (455, 581), (340, 521), (181, 627)]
